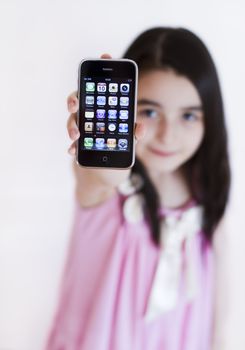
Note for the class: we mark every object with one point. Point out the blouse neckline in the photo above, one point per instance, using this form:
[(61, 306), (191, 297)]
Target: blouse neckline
[(177, 212)]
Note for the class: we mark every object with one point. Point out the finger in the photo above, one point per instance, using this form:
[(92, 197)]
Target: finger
[(72, 127), (140, 131), (72, 102), (105, 55), (72, 149)]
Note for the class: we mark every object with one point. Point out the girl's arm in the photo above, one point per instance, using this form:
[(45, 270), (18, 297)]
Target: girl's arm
[(94, 186), (222, 286)]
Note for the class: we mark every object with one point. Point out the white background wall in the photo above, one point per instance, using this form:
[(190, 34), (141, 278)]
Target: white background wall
[(41, 45)]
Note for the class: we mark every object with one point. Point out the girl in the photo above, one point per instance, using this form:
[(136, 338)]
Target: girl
[(139, 273)]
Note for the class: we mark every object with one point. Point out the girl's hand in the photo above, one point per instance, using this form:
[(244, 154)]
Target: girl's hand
[(94, 181)]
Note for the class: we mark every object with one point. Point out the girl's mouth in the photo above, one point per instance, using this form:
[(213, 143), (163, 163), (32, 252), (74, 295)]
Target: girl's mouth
[(162, 153)]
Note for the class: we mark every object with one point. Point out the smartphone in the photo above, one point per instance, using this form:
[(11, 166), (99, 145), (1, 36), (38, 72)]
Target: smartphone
[(107, 94)]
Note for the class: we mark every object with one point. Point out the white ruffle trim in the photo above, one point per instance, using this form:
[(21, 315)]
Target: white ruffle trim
[(165, 288)]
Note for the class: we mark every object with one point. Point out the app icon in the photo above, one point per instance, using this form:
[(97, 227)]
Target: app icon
[(124, 101), (124, 88), (88, 126), (89, 100), (89, 114), (90, 87), (112, 114), (113, 87), (112, 100), (111, 143), (100, 127), (100, 113), (122, 143), (101, 100), (123, 127), (112, 126), (99, 142), (101, 87), (88, 142), (123, 114)]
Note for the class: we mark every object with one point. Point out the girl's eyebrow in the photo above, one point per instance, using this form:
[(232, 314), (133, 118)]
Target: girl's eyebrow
[(192, 108), (145, 101)]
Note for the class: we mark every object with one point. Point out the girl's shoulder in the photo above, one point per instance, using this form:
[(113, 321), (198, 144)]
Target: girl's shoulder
[(127, 205), (134, 205)]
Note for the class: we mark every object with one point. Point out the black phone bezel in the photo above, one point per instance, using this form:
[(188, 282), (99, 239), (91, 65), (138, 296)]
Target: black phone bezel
[(109, 68)]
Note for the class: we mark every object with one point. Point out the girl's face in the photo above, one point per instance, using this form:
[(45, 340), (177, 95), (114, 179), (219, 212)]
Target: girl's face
[(171, 109)]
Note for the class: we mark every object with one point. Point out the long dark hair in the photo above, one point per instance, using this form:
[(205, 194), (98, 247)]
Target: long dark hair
[(208, 171)]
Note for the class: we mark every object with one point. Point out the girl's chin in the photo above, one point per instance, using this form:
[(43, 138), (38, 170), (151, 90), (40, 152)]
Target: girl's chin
[(165, 163), (164, 166)]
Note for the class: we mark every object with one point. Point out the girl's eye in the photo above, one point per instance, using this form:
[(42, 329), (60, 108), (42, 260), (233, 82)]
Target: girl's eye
[(149, 113), (189, 116)]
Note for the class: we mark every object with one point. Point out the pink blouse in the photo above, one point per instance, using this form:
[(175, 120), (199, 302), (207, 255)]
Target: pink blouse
[(107, 282)]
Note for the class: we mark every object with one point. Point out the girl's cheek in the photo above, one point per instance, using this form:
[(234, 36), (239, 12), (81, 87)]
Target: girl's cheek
[(193, 132), (148, 137)]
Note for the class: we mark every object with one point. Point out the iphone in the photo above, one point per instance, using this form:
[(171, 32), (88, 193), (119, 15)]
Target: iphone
[(107, 94)]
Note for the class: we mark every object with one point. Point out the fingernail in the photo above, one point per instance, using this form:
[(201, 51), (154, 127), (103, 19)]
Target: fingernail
[(71, 151), (74, 133), (71, 104)]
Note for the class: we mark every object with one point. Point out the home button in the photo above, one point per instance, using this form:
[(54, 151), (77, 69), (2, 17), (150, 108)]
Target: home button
[(105, 159)]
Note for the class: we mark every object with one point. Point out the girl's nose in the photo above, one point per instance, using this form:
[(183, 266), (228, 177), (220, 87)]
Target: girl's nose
[(165, 131)]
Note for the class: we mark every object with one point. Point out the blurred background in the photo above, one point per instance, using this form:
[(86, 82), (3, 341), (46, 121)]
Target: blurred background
[(42, 43)]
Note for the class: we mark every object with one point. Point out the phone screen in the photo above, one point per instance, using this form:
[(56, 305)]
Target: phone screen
[(107, 94)]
